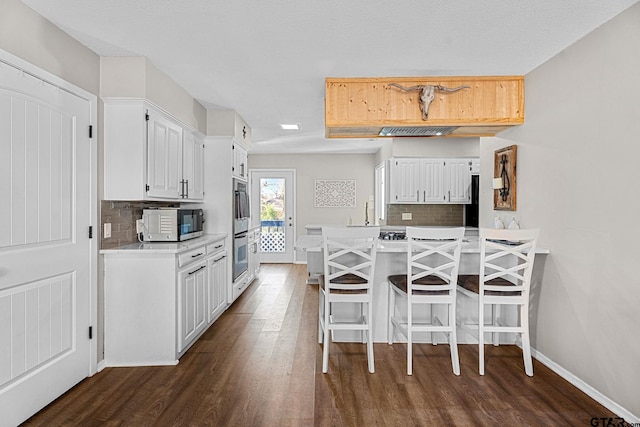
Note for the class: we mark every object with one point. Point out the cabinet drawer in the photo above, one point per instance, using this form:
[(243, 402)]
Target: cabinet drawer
[(215, 247), (193, 255)]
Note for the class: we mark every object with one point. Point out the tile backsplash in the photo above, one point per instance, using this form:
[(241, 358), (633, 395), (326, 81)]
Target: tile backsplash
[(122, 216), (438, 215)]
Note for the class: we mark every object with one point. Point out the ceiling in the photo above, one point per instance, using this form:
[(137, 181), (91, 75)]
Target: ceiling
[(268, 59)]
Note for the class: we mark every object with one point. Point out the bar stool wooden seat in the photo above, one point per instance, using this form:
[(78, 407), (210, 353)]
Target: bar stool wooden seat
[(433, 260), (349, 266), (506, 265)]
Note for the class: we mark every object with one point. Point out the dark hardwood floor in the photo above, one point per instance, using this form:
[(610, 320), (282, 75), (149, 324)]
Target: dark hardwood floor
[(259, 365)]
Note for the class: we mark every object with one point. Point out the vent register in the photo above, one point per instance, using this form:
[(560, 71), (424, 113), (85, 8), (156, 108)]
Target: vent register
[(417, 130)]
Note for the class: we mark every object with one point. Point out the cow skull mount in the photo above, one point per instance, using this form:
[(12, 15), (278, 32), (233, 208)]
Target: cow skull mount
[(427, 93)]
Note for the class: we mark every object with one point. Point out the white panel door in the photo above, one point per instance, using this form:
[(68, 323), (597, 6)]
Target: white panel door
[(192, 302), (164, 163), (459, 180), (217, 286), (433, 180), (45, 258), (192, 166), (405, 181)]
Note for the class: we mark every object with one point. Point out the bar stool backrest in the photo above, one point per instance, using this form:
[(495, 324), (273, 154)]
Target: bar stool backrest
[(349, 256), (507, 255), (433, 252)]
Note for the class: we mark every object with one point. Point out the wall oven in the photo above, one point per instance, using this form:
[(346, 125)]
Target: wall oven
[(240, 228), (240, 254), (240, 206)]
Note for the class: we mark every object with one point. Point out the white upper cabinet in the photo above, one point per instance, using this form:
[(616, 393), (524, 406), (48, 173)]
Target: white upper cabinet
[(164, 157), (429, 180), (433, 181), (240, 158), (475, 166), (192, 185), (405, 180), (149, 155), (229, 124), (459, 180)]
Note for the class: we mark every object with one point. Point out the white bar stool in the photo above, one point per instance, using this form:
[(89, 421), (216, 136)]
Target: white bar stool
[(506, 265), (349, 265), (433, 260)]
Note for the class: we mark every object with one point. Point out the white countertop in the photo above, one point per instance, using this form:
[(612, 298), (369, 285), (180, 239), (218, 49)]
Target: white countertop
[(165, 247), (313, 243), (318, 227)]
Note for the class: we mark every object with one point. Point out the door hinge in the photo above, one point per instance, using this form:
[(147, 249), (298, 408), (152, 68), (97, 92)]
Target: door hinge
[(91, 231), (90, 131), (90, 332), (146, 116), (146, 187)]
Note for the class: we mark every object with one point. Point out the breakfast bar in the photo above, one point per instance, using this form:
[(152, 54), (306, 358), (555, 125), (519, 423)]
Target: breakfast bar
[(392, 259)]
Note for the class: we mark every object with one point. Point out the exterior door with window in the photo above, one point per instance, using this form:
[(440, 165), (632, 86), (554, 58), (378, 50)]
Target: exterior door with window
[(273, 204)]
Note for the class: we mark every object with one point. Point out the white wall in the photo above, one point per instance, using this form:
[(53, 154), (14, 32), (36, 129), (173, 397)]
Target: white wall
[(137, 77), (578, 178), (29, 36), (436, 147), (428, 147), (310, 167)]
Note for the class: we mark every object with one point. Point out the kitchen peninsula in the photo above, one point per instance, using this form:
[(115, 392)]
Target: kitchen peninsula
[(391, 259)]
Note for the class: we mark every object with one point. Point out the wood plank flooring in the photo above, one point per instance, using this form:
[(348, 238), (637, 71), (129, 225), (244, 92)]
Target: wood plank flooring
[(259, 365)]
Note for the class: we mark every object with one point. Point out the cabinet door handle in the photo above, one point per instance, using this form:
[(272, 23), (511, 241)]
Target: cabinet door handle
[(217, 247), (184, 194), (418, 196), (219, 259), (196, 270), (449, 195), (197, 255)]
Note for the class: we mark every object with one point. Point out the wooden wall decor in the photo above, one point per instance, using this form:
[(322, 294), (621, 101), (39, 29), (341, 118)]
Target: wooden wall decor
[(504, 166), (363, 107)]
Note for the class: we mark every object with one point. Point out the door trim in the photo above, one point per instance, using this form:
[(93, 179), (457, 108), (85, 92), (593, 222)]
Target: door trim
[(294, 203)]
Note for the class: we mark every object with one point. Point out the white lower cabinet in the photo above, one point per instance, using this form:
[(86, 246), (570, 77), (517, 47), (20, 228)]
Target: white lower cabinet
[(192, 303), (158, 301), (216, 285)]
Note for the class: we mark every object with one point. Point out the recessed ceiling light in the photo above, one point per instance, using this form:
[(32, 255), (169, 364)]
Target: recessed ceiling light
[(295, 126)]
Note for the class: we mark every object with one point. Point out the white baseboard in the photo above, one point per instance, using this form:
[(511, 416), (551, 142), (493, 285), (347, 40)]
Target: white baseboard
[(586, 388), (101, 365)]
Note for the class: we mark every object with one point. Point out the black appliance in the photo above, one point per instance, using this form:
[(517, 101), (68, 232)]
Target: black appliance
[(471, 213), (241, 217)]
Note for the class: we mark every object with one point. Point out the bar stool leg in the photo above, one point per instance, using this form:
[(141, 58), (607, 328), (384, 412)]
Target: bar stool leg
[(453, 339), (481, 334), (526, 346), (392, 312), (370, 337), (495, 337)]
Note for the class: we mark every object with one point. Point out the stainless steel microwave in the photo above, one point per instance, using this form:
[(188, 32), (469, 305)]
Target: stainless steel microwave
[(172, 224)]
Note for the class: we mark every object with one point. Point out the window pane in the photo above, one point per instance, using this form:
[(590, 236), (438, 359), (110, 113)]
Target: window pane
[(272, 214)]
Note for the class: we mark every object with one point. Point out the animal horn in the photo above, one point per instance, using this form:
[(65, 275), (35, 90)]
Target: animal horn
[(454, 89), (406, 89)]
